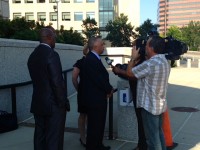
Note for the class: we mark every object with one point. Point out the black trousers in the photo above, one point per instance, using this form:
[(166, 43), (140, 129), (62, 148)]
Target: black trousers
[(141, 135), (96, 118), (49, 130)]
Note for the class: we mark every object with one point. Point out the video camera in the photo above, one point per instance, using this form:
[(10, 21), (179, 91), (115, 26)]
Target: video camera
[(173, 47), (173, 50)]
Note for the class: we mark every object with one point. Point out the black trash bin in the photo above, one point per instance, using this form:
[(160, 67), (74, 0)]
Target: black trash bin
[(8, 121)]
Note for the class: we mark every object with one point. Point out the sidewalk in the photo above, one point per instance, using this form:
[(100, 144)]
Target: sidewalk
[(183, 91)]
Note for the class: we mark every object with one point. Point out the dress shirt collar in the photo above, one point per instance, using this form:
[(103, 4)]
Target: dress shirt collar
[(96, 54), (45, 44)]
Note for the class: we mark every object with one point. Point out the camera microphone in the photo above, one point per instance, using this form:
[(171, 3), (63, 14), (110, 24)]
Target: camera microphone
[(109, 61)]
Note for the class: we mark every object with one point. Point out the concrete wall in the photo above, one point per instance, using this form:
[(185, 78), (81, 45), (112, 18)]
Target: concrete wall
[(13, 69)]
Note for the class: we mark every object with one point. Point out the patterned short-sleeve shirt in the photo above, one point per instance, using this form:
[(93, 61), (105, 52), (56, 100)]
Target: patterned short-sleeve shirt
[(152, 85)]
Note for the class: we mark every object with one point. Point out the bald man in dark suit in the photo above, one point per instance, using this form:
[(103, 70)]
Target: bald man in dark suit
[(96, 90), (49, 99)]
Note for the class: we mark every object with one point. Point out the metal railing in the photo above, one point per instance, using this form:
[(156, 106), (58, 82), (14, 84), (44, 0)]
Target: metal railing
[(14, 99), (13, 87)]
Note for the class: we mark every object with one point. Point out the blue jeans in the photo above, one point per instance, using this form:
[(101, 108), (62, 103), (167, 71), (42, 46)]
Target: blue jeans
[(153, 131)]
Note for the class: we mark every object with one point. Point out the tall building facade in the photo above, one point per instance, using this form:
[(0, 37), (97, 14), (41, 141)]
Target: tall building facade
[(4, 9), (70, 13), (177, 12)]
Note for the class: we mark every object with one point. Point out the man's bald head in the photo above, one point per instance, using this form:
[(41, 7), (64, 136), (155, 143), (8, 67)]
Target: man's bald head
[(47, 35)]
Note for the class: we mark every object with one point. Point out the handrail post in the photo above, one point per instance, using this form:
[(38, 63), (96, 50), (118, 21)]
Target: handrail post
[(13, 96), (110, 136)]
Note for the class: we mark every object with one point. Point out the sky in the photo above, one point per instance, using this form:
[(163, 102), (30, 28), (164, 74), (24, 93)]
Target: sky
[(148, 9)]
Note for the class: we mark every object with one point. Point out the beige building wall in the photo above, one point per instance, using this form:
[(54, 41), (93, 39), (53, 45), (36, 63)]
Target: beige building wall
[(48, 8), (130, 8), (178, 13), (4, 9)]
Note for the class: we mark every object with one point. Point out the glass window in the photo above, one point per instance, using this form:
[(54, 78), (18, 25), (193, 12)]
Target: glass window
[(17, 15), (66, 16), (28, 1), (90, 1), (16, 1), (53, 16), (78, 16), (91, 15), (29, 16), (41, 16), (41, 1), (52, 1), (65, 1), (106, 5), (78, 1), (104, 18)]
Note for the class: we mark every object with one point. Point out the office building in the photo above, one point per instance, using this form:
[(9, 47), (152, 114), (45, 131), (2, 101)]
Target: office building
[(70, 13), (4, 9), (177, 12)]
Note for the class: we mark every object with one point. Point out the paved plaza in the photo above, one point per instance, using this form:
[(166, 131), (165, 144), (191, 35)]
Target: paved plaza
[(183, 92)]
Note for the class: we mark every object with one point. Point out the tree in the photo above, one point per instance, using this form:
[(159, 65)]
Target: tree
[(19, 28), (191, 35), (145, 28), (70, 37), (90, 28), (175, 32), (5, 28), (120, 33)]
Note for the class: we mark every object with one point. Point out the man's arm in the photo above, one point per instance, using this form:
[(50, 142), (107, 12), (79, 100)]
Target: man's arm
[(57, 81), (129, 72), (135, 58)]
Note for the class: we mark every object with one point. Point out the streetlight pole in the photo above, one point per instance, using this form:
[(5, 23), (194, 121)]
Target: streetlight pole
[(57, 1)]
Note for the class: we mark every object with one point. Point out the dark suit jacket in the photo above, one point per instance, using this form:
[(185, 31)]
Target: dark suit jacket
[(95, 79), (48, 85)]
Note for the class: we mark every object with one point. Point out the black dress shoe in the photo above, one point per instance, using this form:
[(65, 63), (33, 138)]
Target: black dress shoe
[(82, 142), (172, 147)]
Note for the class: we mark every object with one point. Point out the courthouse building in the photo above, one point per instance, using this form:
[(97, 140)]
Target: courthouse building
[(70, 13), (177, 12)]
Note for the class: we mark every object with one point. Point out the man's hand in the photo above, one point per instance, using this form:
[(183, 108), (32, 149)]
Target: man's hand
[(110, 94), (135, 53), (116, 70)]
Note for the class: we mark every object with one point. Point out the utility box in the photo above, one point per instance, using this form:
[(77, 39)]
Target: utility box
[(126, 120), (125, 97)]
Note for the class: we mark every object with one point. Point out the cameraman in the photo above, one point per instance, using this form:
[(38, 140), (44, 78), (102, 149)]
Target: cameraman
[(152, 78), (133, 85)]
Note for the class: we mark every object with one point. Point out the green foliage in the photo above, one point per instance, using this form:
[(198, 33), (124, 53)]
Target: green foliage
[(90, 28), (26, 35), (70, 37), (191, 35), (19, 24), (120, 33), (144, 29), (19, 28), (175, 32), (5, 28), (22, 29)]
